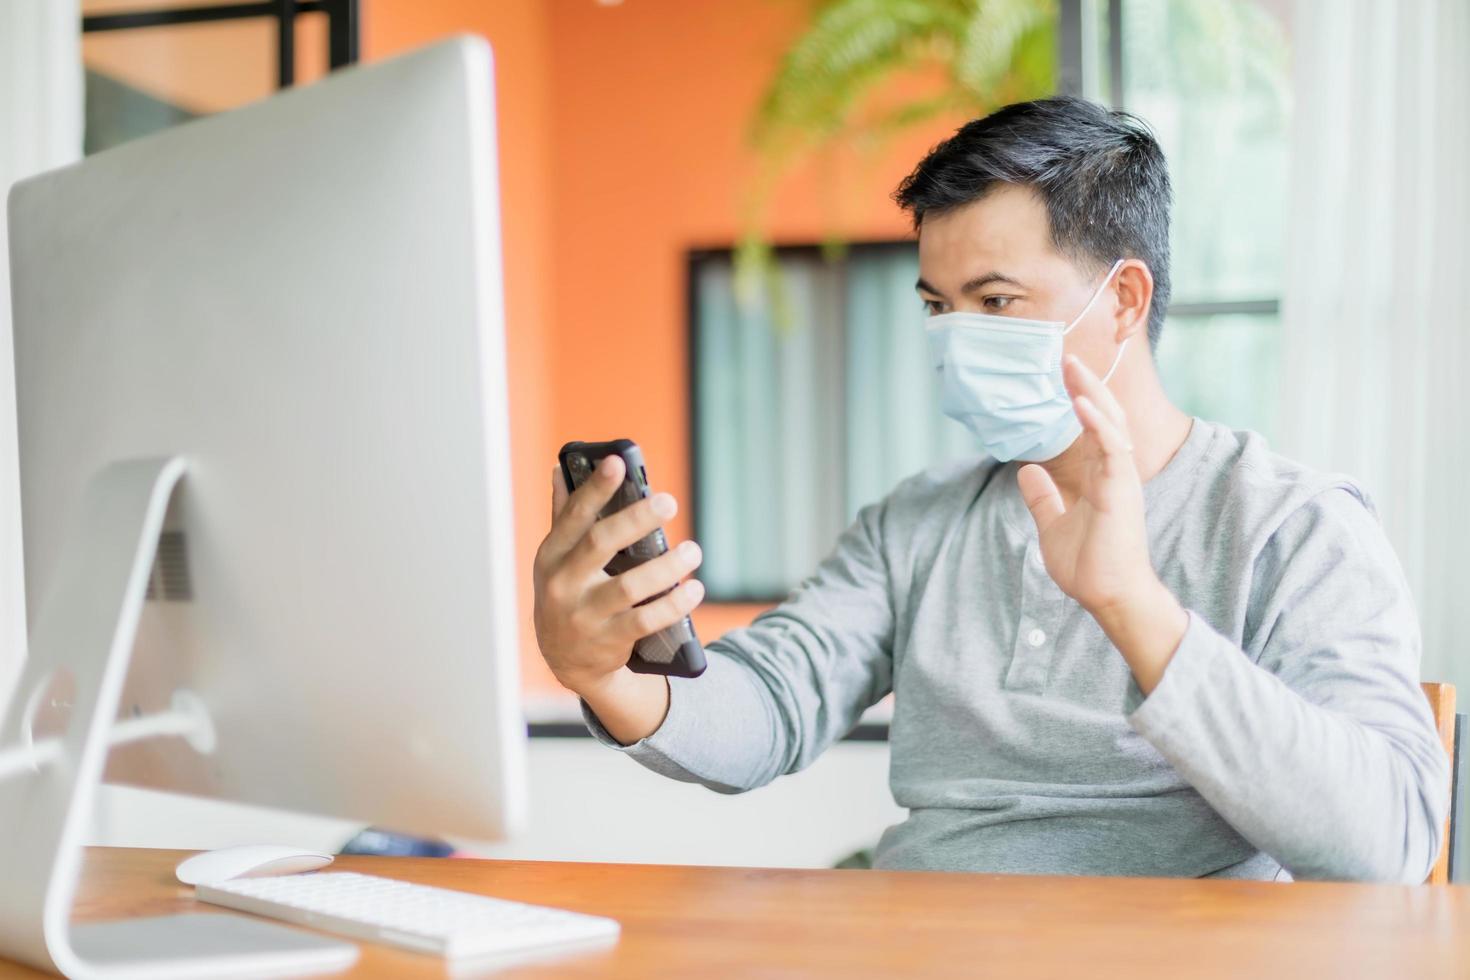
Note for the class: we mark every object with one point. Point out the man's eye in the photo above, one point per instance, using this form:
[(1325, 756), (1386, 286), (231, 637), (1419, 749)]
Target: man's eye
[(933, 307), (996, 304)]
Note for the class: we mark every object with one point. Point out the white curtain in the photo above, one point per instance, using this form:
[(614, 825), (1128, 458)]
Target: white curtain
[(40, 128), (1376, 310), (769, 445), (802, 423)]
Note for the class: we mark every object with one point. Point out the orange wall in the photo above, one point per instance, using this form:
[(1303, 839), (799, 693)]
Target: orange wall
[(651, 104), (622, 140), (518, 32)]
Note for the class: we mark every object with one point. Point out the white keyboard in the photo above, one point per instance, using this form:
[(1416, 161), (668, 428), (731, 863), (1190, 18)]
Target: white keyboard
[(417, 917)]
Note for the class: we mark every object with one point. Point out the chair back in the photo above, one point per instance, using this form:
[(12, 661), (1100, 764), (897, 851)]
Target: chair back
[(1442, 705)]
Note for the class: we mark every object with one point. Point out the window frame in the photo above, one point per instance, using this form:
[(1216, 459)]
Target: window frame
[(1075, 68), (344, 22), (693, 257)]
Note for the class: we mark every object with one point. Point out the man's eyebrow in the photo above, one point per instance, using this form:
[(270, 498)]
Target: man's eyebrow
[(979, 282)]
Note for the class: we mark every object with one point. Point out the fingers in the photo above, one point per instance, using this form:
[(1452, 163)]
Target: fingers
[(580, 511), (624, 591), (1114, 443), (1081, 381), (559, 492), (641, 621), (608, 536), (1041, 496), (1097, 409)]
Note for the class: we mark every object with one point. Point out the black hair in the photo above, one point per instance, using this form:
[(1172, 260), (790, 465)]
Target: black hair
[(1099, 171)]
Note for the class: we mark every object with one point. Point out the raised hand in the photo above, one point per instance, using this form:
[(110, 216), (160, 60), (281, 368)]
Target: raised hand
[(1096, 550)]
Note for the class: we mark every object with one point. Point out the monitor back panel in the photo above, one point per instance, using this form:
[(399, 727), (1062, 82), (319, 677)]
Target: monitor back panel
[(303, 299)]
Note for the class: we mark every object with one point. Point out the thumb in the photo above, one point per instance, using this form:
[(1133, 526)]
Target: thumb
[(1041, 496)]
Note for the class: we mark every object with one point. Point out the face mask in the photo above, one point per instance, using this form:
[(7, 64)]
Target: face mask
[(1002, 378)]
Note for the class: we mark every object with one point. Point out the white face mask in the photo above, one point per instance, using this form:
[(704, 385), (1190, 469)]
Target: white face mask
[(1002, 378)]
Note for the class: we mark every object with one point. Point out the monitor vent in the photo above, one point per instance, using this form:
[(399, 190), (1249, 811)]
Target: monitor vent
[(169, 580)]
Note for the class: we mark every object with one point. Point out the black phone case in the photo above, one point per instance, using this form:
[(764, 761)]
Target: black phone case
[(674, 651)]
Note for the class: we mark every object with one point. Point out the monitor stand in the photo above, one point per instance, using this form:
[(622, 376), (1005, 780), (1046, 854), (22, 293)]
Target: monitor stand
[(80, 645)]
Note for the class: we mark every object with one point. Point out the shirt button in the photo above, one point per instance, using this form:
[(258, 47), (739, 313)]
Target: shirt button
[(1036, 638)]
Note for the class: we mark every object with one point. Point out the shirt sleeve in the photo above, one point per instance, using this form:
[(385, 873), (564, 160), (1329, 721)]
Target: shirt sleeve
[(778, 692), (1315, 741)]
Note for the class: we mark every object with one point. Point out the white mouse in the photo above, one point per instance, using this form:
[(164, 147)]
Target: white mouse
[(248, 861)]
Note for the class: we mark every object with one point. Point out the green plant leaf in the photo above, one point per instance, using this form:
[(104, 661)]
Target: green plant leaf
[(851, 46), (992, 52), (987, 53)]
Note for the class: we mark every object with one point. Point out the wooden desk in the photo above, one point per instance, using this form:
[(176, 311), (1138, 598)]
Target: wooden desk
[(734, 922)]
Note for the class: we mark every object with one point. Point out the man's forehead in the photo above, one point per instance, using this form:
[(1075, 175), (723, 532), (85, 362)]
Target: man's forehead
[(1005, 231), (1007, 218)]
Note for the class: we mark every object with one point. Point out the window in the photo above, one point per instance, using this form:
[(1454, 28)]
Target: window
[(151, 68), (802, 417), (1211, 77)]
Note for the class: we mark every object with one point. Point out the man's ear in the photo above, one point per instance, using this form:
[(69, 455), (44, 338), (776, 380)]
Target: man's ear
[(1134, 287)]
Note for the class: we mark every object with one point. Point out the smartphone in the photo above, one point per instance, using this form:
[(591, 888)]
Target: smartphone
[(673, 651)]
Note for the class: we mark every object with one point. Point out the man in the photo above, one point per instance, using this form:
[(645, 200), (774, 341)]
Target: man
[(1125, 642)]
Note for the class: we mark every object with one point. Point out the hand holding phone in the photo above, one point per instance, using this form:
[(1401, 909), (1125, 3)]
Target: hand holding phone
[(608, 589)]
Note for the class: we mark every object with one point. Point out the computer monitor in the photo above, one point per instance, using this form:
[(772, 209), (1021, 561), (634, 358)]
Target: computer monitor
[(293, 311)]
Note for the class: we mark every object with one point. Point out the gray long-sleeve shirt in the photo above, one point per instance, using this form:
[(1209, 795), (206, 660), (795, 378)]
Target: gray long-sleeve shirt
[(1288, 735)]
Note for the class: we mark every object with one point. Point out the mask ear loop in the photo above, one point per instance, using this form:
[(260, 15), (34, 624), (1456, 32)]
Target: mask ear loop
[(1117, 360), (1096, 293), (1078, 319)]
